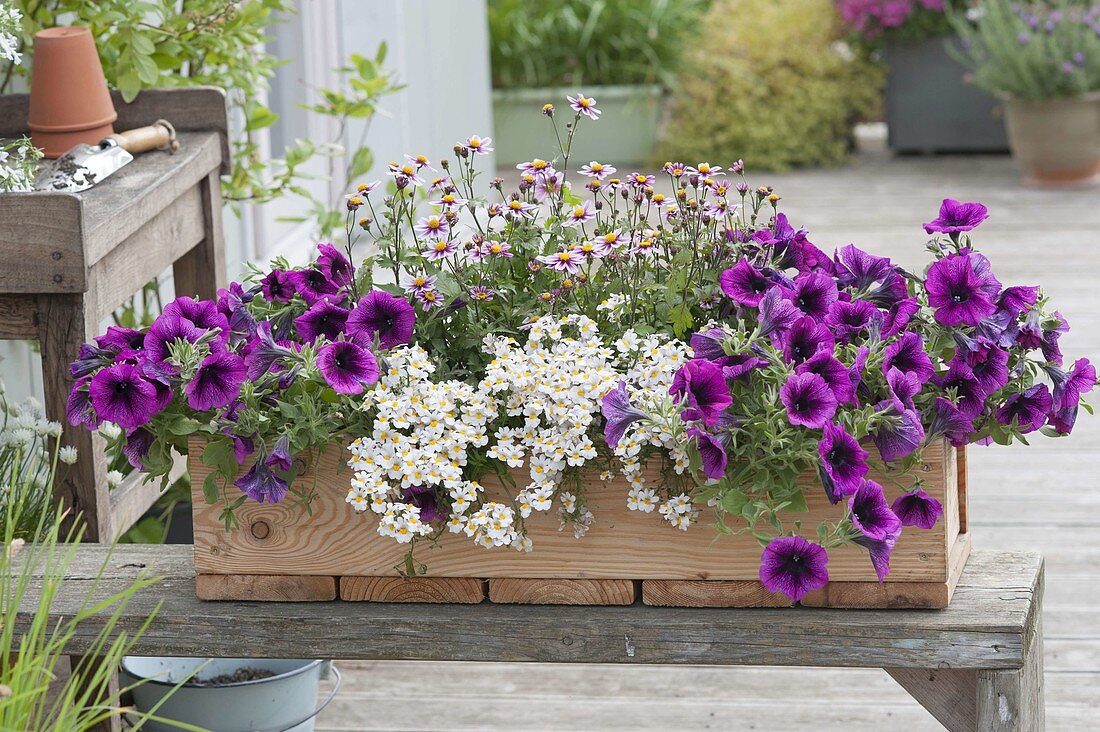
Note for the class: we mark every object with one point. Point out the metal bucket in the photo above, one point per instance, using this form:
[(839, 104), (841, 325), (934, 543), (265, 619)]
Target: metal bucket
[(285, 702)]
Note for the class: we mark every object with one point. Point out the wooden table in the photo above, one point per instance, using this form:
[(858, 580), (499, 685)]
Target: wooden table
[(975, 666), (67, 261)]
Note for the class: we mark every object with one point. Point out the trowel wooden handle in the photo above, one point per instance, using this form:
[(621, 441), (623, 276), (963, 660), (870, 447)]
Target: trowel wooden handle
[(158, 136)]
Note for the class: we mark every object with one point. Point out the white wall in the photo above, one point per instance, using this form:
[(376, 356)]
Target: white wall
[(440, 50)]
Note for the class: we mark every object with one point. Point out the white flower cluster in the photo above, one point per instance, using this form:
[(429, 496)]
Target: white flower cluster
[(652, 363), (555, 382), (18, 164), (422, 430), (25, 449), (9, 34)]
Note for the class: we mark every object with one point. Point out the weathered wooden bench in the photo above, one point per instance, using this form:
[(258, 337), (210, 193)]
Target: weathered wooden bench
[(975, 666)]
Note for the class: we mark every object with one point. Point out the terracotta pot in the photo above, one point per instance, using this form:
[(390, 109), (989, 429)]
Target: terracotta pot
[(70, 102), (1056, 141)]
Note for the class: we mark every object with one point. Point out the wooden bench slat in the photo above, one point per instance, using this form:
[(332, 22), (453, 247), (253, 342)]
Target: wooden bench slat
[(986, 626)]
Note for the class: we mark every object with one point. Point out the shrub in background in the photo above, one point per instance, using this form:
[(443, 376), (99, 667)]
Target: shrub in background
[(769, 81), (575, 42), (910, 20), (1031, 51)]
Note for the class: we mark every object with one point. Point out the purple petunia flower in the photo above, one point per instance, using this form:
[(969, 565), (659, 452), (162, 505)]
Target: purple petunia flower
[(323, 319), (711, 452), (794, 566), (968, 390), (808, 399), (708, 344), (166, 330), (123, 395), (744, 284), (618, 414), (314, 285), (804, 339), (1077, 381), (126, 342), (202, 313), (386, 316), (843, 461), (836, 376), (879, 551), (335, 265), (903, 387), (347, 367), (898, 316), (847, 319), (261, 483), (277, 286), (857, 269), (137, 446), (948, 421), (739, 364), (959, 292), (776, 314), (700, 388), (78, 405), (956, 217), (917, 508), (899, 434), (217, 382), (855, 373), (280, 458), (1052, 352), (870, 513), (813, 294), (1017, 300), (1028, 409), (424, 498), (906, 354), (1062, 420), (991, 369)]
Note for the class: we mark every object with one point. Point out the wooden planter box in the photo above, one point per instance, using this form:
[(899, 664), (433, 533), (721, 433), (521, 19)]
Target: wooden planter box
[(281, 552)]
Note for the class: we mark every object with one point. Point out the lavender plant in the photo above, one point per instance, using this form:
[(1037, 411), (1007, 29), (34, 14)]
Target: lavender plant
[(1031, 50), (566, 327)]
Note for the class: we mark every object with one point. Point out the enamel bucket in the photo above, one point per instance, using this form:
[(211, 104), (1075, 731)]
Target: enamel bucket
[(285, 702)]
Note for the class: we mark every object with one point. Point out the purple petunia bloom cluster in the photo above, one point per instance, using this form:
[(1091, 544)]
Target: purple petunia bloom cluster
[(872, 363), (255, 348)]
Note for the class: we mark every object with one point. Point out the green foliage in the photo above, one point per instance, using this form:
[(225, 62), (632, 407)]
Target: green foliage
[(1031, 51), (159, 43), (590, 42), (770, 83), (31, 577)]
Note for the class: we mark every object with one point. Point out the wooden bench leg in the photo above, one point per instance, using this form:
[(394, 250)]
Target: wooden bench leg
[(64, 322), (1008, 700), (201, 271), (110, 695)]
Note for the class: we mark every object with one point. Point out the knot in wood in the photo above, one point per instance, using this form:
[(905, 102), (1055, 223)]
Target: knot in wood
[(260, 529)]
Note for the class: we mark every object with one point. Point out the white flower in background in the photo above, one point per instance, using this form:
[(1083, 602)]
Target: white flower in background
[(18, 163), (114, 479), (67, 455), (9, 34)]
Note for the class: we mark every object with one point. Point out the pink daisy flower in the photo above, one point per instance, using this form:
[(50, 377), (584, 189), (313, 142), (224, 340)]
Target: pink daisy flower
[(430, 299), (547, 185), (580, 214), (641, 180), (584, 105), (408, 171), (596, 170), (432, 227), (494, 248), (479, 145), (705, 169), (420, 161), (439, 249), (481, 293), (567, 261), (517, 209), (414, 283), (449, 200), (609, 242), (538, 165)]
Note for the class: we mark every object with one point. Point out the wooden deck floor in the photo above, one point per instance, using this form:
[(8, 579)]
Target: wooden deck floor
[(1046, 498)]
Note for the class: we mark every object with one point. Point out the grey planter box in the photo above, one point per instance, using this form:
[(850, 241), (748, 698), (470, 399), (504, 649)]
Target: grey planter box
[(626, 132), (930, 108)]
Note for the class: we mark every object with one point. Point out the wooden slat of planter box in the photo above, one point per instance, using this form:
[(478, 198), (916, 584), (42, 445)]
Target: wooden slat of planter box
[(563, 591), (334, 541)]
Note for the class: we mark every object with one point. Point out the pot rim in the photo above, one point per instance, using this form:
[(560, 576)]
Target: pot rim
[(1091, 96), (158, 682)]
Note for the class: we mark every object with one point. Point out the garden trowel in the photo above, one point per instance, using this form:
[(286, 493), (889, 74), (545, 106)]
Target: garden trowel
[(85, 165)]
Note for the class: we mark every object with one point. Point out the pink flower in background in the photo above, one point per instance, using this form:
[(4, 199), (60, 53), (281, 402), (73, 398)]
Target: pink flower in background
[(584, 105), (597, 170)]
